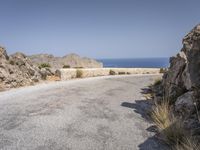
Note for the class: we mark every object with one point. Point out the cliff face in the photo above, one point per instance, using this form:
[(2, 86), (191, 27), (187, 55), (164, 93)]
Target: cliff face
[(72, 60), (181, 83), (16, 70)]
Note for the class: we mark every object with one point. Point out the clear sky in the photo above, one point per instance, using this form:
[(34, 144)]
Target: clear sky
[(97, 28)]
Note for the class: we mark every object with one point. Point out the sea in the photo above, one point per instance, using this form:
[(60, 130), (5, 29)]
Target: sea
[(136, 62)]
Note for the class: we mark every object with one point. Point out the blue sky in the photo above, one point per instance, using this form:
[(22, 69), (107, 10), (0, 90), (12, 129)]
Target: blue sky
[(97, 28)]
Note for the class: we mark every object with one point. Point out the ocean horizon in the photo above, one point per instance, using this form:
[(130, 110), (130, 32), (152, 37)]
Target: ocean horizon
[(135, 62)]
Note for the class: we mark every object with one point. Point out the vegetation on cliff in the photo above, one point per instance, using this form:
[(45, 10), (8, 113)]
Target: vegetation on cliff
[(177, 96)]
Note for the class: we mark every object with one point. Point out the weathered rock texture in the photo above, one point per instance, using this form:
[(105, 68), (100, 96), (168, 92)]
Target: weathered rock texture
[(17, 70), (181, 83), (71, 60)]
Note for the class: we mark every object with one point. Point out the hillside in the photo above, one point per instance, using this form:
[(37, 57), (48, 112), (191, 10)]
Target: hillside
[(71, 60), (17, 70), (20, 70)]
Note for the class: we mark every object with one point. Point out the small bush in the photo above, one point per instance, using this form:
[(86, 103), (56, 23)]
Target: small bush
[(128, 73), (157, 82), (79, 73), (112, 72), (121, 73), (66, 66), (163, 70), (11, 62), (44, 65)]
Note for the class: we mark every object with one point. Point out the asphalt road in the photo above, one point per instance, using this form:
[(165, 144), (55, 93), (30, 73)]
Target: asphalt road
[(103, 113)]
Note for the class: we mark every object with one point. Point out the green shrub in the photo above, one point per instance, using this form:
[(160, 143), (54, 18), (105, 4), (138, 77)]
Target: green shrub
[(121, 73), (44, 65), (66, 66), (112, 72), (79, 73)]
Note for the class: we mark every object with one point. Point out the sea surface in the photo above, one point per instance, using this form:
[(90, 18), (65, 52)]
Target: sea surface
[(136, 62)]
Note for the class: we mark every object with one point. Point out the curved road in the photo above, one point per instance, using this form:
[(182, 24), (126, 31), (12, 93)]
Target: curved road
[(103, 113)]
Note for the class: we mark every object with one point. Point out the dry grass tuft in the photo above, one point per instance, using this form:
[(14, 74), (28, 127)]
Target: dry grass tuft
[(79, 73), (171, 128), (157, 82), (175, 133), (161, 115), (187, 144)]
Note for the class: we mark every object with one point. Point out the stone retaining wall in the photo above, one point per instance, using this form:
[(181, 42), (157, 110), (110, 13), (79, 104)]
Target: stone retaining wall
[(66, 74)]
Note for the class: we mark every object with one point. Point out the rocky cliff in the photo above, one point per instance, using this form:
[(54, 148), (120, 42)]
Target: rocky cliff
[(71, 60), (181, 83), (17, 70)]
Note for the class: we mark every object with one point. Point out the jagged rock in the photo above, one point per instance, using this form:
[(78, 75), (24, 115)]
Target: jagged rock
[(184, 72), (3, 54), (181, 83), (17, 70), (46, 72), (184, 104)]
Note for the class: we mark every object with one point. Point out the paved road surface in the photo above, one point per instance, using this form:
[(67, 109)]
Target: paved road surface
[(103, 113)]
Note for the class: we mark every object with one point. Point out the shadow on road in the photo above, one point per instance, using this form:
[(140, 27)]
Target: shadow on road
[(143, 107)]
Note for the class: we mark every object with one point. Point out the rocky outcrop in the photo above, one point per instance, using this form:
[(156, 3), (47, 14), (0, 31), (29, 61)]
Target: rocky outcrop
[(71, 60), (181, 83), (17, 70)]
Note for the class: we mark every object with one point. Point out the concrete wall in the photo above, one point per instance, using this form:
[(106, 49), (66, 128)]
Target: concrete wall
[(66, 74)]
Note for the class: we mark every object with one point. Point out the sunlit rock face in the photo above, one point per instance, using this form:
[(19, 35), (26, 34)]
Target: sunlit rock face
[(184, 71), (17, 70)]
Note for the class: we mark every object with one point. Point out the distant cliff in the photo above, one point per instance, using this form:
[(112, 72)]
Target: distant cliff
[(71, 60)]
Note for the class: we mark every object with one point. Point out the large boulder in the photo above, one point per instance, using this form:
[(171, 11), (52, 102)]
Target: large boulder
[(185, 104), (184, 72)]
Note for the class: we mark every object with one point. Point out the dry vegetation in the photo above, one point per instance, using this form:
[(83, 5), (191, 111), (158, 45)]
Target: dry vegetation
[(44, 65), (171, 128), (79, 73)]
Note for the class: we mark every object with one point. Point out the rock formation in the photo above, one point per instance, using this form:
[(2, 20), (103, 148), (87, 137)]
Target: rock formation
[(19, 70), (71, 60), (16, 70), (181, 83)]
